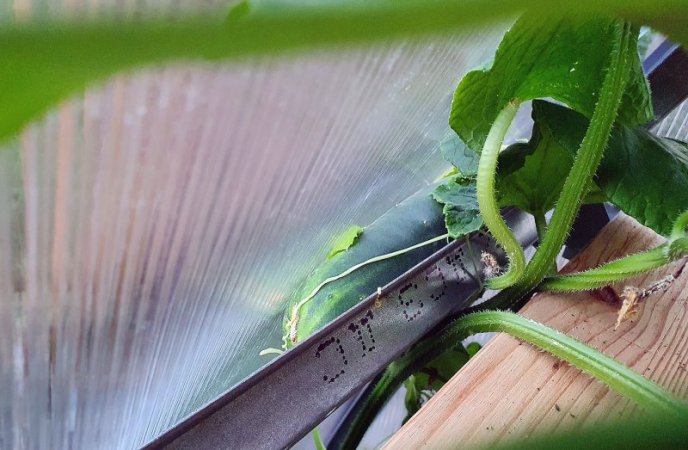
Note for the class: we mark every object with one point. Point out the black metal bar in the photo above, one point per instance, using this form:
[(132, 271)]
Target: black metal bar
[(667, 73), (325, 370)]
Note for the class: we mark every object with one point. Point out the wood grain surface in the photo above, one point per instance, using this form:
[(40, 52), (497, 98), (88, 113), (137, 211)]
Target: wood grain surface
[(512, 390)]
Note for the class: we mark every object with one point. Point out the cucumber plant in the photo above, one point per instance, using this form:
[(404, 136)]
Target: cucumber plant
[(591, 149), (593, 68)]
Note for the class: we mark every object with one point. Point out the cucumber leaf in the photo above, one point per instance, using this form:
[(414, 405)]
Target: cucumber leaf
[(461, 211), (44, 62), (436, 373), (541, 56), (412, 399), (644, 175), (473, 348), (459, 155), (531, 175), (423, 384), (345, 241)]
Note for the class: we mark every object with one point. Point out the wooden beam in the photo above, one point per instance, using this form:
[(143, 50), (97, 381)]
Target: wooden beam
[(511, 390)]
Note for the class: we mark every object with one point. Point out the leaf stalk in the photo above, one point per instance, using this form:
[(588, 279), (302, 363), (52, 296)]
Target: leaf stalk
[(487, 200)]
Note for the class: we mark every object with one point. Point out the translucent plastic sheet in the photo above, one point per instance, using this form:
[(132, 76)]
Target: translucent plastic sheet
[(151, 229), (674, 125)]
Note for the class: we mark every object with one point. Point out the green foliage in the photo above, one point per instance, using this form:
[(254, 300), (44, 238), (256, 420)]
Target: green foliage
[(644, 175), (585, 164), (591, 65), (345, 240), (438, 371), (629, 383), (42, 63), (531, 175), (567, 59), (412, 398), (617, 270), (459, 155), (461, 212), (545, 56), (645, 432), (424, 383), (541, 56), (473, 348)]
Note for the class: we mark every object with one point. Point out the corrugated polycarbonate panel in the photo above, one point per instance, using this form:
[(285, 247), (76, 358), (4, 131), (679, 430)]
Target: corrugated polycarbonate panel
[(674, 125), (152, 228)]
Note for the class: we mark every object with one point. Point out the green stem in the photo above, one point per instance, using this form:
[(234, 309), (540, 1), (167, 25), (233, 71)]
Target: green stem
[(487, 200), (678, 240), (317, 440), (540, 224), (541, 228), (617, 270), (680, 227), (626, 267), (678, 248), (584, 166), (617, 376)]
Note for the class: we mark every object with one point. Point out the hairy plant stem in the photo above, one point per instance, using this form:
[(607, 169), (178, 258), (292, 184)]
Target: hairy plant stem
[(584, 166), (678, 240), (540, 224), (617, 270), (678, 248), (605, 369), (541, 228), (626, 267), (617, 376), (680, 227), (487, 199)]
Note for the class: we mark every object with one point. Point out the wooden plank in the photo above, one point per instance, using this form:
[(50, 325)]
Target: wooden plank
[(510, 390)]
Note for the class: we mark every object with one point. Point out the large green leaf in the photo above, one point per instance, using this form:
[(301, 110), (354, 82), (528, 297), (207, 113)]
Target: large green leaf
[(459, 155), (531, 175), (644, 175), (461, 211), (45, 62), (540, 57)]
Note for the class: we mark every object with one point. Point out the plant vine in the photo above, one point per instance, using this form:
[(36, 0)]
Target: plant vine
[(520, 278)]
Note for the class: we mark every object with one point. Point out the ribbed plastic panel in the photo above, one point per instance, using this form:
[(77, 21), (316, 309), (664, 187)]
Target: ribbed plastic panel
[(152, 228)]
